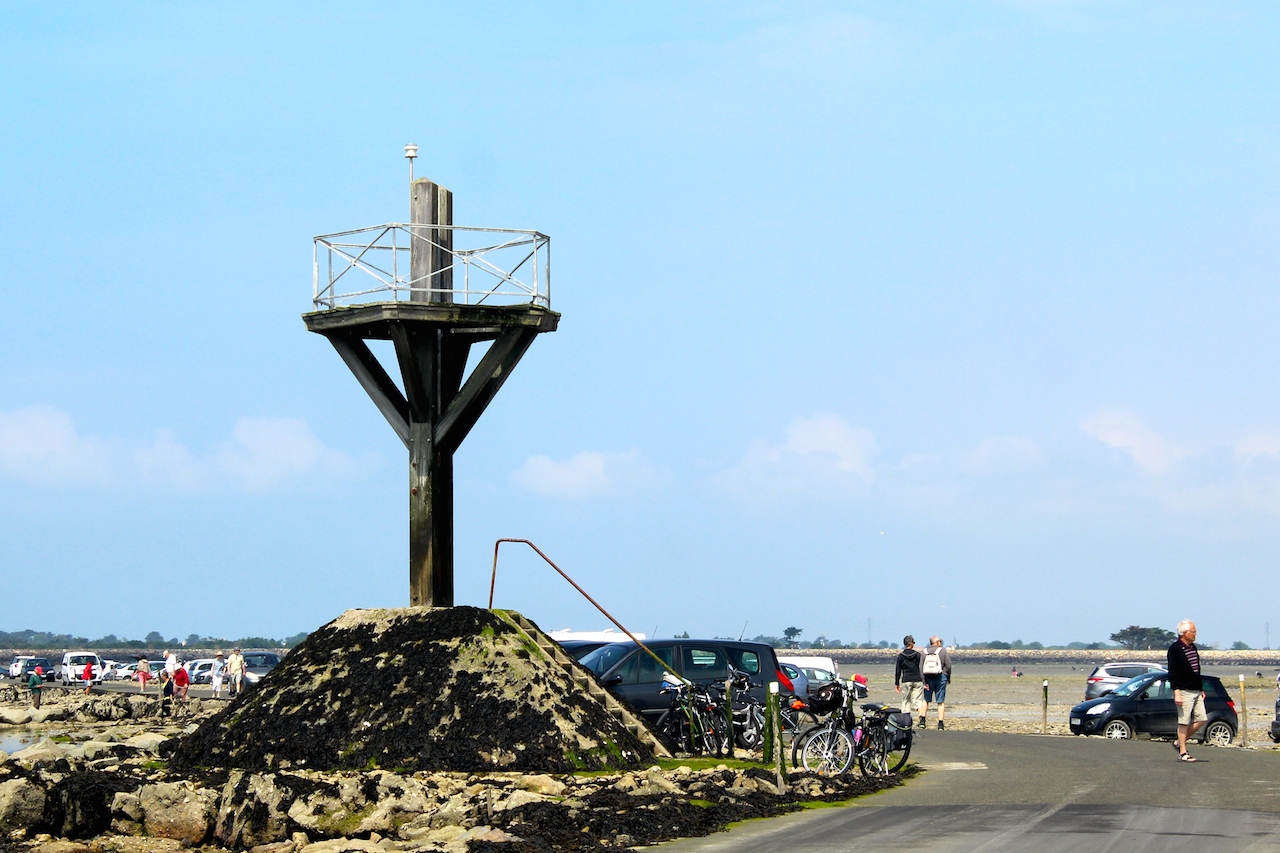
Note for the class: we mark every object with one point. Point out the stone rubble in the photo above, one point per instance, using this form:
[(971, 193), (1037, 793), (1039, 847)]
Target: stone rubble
[(53, 801)]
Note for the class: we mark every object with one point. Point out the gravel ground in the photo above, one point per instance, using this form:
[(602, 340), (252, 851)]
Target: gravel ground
[(987, 698)]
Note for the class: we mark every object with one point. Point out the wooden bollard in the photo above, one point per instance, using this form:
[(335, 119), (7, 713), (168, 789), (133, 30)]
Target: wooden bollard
[(1044, 710), (728, 711), (779, 754), (1244, 714), (770, 720)]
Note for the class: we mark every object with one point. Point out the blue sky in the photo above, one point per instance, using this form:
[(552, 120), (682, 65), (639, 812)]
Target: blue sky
[(954, 317)]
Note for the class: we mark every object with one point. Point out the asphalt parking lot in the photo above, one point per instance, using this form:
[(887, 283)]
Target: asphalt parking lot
[(986, 791)]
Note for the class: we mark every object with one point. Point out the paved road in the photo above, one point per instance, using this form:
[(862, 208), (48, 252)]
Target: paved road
[(1017, 792)]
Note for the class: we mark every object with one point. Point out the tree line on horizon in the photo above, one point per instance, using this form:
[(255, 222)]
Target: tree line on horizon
[(1134, 638), (29, 639)]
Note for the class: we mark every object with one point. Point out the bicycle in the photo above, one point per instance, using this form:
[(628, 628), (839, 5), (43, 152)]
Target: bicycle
[(694, 723), (879, 741), (887, 736)]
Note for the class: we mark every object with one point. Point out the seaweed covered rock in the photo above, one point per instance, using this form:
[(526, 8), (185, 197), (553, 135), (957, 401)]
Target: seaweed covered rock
[(456, 688)]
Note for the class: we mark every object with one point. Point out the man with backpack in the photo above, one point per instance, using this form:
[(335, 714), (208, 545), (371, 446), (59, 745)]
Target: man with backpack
[(907, 678), (936, 669)]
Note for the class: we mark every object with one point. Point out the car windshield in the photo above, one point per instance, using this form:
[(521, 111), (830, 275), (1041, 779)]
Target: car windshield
[(1132, 685), (602, 659)]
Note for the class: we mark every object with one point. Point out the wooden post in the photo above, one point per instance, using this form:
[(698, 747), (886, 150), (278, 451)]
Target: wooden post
[(430, 261), (1044, 710), (1244, 714), (728, 711), (779, 754), (771, 740)]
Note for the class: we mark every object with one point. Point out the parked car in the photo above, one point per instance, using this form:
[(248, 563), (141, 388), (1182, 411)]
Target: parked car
[(1109, 676), (15, 668), (71, 670), (635, 677), (1275, 724), (1144, 705), (120, 671), (578, 649), (29, 664), (258, 664), (803, 662), (817, 677), (799, 682), (200, 670)]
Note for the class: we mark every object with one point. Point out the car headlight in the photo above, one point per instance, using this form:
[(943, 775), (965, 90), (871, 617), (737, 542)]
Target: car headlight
[(1099, 709)]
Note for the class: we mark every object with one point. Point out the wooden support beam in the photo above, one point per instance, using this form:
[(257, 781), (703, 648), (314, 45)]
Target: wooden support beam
[(481, 387), (374, 379)]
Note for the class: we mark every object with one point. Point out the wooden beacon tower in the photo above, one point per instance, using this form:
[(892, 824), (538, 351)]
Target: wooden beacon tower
[(452, 298)]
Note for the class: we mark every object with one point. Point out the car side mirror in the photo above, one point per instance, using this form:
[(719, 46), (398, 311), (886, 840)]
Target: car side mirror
[(612, 682), (1143, 696)]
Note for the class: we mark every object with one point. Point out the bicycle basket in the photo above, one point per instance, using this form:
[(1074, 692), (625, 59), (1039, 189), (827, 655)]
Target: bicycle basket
[(827, 698)]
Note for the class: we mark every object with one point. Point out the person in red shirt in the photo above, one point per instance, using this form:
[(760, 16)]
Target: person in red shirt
[(87, 675), (181, 681)]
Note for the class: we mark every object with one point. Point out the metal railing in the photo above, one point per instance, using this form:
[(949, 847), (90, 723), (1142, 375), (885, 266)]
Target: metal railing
[(494, 266)]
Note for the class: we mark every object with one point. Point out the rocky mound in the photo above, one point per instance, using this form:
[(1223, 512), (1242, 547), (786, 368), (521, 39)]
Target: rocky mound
[(456, 688)]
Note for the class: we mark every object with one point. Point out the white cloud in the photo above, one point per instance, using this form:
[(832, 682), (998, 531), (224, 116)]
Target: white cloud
[(582, 475), (265, 452), (1262, 444), (1150, 450), (1005, 456), (818, 454), (39, 444)]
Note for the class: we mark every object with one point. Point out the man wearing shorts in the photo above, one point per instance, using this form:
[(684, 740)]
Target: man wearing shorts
[(937, 673), (1188, 689)]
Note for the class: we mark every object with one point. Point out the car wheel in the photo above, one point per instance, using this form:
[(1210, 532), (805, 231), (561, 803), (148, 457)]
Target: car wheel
[(1117, 730), (1219, 733)]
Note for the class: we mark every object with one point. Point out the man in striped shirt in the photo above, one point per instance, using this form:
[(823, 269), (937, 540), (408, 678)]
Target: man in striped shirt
[(1188, 689)]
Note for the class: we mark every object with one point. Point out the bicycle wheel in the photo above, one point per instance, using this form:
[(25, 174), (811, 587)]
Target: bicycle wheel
[(827, 749), (673, 731), (874, 751), (710, 732), (897, 755)]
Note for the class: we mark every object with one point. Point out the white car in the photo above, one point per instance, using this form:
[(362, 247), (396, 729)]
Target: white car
[(71, 670), (15, 668), (200, 670)]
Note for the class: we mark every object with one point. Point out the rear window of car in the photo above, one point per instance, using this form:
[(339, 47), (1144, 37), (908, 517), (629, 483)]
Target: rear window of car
[(703, 662), (1214, 688)]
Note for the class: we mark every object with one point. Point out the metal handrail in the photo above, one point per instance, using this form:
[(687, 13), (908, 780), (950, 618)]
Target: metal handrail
[(493, 579), (514, 270)]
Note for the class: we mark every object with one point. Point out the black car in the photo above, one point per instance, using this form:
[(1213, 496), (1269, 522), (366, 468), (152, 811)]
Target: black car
[(1275, 724), (29, 666), (578, 649), (635, 677), (1144, 705)]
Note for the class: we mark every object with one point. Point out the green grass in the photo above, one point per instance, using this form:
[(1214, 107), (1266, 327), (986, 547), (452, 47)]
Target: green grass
[(824, 804), (707, 763)]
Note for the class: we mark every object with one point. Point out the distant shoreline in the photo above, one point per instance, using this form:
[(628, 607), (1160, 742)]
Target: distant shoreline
[(1217, 657)]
